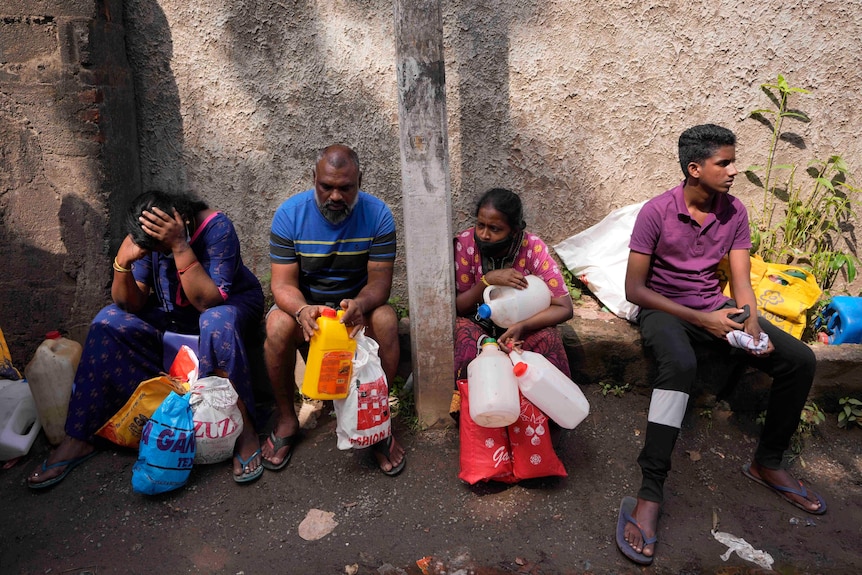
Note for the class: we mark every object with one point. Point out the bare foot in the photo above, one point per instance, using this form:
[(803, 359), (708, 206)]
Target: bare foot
[(68, 450), (782, 478), (646, 514), (396, 455), (284, 427)]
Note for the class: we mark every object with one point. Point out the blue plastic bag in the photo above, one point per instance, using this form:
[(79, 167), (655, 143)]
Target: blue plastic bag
[(167, 448)]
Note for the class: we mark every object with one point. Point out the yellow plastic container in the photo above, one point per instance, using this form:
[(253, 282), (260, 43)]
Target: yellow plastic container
[(330, 358), (50, 374)]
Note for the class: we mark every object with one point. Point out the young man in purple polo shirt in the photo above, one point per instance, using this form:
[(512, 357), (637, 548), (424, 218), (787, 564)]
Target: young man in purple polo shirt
[(677, 242)]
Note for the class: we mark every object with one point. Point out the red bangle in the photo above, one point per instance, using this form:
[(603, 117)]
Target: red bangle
[(188, 267)]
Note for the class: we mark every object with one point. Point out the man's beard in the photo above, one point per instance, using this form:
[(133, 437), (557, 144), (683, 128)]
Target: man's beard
[(335, 216)]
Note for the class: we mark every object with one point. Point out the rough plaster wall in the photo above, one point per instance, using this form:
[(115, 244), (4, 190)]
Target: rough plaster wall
[(575, 105), (257, 88), (597, 94), (66, 156)]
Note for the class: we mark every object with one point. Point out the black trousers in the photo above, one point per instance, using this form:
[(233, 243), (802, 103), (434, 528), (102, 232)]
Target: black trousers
[(791, 366)]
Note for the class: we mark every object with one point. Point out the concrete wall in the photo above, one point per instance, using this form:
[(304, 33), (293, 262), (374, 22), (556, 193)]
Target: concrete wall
[(68, 156), (576, 105)]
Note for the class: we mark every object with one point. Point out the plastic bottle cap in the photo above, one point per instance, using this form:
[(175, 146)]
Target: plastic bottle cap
[(53, 335), (328, 312), (484, 311), (520, 368)]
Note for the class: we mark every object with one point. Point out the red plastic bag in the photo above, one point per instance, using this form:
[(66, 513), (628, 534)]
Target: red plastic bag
[(185, 365), (533, 452), (485, 452)]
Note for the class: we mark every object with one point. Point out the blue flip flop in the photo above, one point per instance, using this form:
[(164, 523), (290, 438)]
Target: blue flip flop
[(247, 476), (70, 465), (782, 492), (625, 516)]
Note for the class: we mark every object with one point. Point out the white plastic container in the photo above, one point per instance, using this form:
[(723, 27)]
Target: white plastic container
[(494, 400), (19, 420), (549, 389), (50, 374), (507, 306)]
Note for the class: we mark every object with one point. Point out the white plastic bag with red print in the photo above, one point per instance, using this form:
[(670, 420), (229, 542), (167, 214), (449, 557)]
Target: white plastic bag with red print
[(533, 453), (363, 416), (217, 418)]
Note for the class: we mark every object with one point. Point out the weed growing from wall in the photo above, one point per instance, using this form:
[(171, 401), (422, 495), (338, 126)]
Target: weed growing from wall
[(803, 219)]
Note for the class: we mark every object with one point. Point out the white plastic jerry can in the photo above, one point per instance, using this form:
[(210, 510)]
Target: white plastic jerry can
[(549, 389), (494, 400)]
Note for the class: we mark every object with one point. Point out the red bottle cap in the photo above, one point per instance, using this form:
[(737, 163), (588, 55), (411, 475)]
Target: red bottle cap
[(519, 369), (328, 312), (53, 335)]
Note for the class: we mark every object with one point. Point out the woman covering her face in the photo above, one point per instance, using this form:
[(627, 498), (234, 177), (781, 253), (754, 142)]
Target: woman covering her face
[(179, 269)]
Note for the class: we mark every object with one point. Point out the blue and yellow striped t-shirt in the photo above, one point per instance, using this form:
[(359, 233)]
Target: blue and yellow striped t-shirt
[(333, 259)]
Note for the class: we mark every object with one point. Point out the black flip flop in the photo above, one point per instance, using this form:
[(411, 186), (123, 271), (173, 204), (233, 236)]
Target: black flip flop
[(383, 447), (279, 443)]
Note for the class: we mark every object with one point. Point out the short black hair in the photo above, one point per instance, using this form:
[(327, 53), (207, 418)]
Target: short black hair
[(507, 203), (700, 142), (186, 204)]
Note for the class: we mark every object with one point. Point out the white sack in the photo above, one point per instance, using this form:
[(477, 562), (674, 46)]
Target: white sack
[(598, 256)]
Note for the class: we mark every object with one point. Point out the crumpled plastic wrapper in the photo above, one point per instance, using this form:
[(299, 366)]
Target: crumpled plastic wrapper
[(742, 340), (744, 549)]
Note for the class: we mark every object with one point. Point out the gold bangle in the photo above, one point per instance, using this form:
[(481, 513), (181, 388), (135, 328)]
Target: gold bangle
[(484, 281), (118, 268)]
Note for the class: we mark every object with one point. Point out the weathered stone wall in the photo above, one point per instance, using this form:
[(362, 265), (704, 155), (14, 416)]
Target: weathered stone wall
[(68, 156), (575, 105)]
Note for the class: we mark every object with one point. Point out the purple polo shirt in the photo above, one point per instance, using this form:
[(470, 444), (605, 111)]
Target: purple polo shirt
[(685, 255)]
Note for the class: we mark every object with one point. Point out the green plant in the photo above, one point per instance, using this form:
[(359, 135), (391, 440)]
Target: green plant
[(706, 413), (572, 283), (401, 309), (615, 389), (402, 403), (807, 229), (850, 412), (809, 419)]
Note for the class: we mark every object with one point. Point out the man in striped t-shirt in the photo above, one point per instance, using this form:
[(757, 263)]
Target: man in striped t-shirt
[(334, 246)]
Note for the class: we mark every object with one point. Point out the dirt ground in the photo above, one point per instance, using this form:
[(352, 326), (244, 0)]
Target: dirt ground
[(92, 523)]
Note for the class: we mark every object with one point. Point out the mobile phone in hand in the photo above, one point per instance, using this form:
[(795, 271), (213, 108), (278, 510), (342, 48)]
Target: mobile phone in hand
[(741, 316)]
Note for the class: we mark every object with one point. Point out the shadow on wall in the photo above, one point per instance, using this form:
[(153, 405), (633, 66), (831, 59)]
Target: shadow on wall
[(34, 278), (149, 49), (482, 58), (263, 89)]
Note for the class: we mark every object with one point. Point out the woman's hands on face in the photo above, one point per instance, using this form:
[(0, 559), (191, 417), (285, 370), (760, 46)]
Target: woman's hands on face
[(169, 230), (506, 277)]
